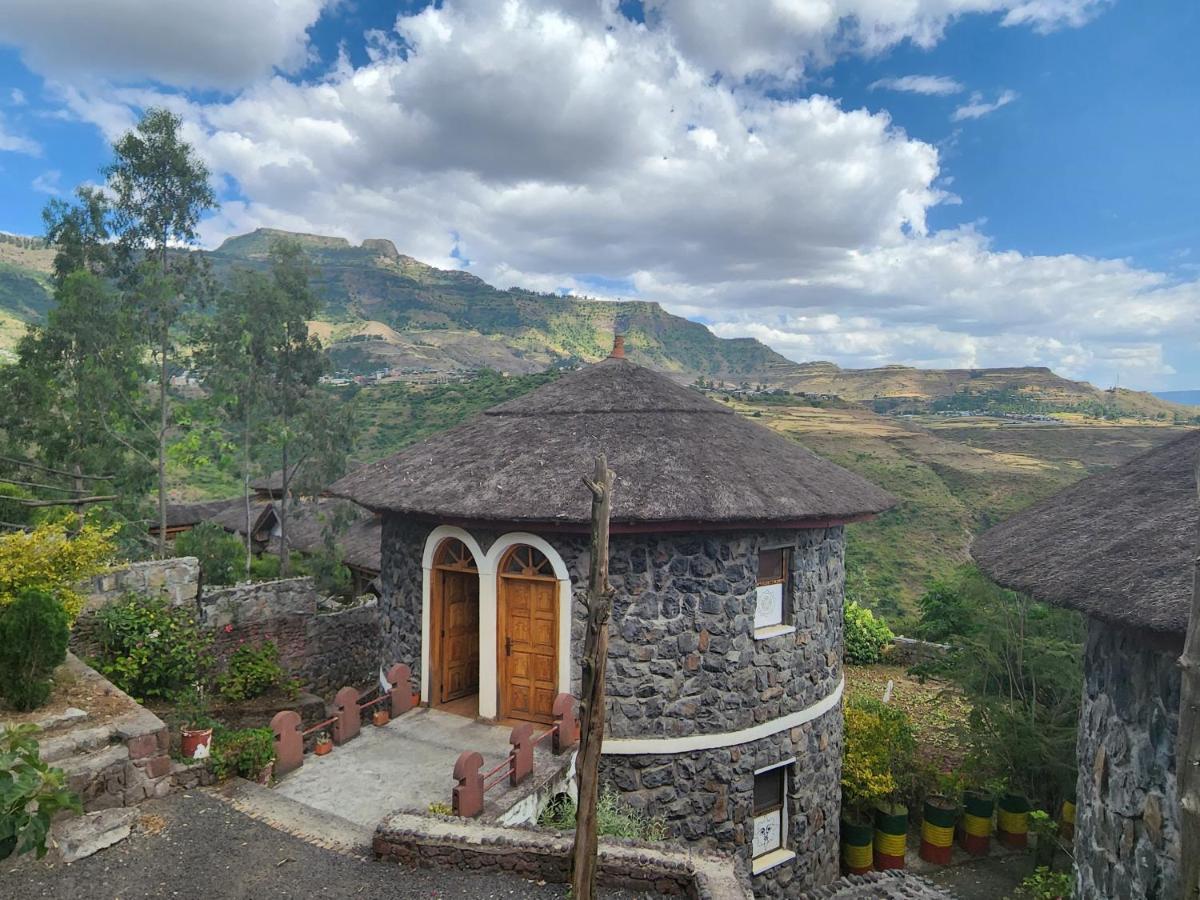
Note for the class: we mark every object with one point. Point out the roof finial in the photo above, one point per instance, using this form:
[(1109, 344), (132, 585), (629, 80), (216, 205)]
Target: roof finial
[(618, 350)]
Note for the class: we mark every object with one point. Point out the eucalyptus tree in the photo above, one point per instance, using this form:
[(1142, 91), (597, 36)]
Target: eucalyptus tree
[(159, 190)]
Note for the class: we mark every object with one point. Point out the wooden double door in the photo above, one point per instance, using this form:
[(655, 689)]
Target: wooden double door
[(528, 636)]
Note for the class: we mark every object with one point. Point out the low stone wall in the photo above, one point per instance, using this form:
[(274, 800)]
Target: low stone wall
[(326, 648), (178, 578), (1127, 815), (442, 842)]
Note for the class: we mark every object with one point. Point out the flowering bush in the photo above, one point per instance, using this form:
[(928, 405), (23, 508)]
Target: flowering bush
[(865, 635), (149, 648), (50, 560)]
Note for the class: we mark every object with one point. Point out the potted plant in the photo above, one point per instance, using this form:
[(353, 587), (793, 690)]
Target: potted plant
[(873, 766), (323, 744), (195, 739), (939, 816), (380, 717)]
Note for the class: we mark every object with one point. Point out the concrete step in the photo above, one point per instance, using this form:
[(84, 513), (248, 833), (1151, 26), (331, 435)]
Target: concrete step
[(312, 825), (76, 742), (81, 836)]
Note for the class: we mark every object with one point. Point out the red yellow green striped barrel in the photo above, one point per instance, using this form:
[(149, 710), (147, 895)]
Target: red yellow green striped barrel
[(858, 852), (1012, 821), (891, 836), (976, 826), (1067, 820), (937, 832)]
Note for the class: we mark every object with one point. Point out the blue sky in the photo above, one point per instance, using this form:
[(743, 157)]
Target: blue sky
[(759, 170)]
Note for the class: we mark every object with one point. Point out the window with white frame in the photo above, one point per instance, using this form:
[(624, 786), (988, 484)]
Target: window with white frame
[(770, 810), (771, 606)]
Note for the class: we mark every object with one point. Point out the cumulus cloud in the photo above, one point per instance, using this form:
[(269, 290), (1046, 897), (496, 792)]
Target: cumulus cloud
[(555, 144), (15, 143), (48, 183), (17, 97), (217, 43), (977, 107), (935, 85)]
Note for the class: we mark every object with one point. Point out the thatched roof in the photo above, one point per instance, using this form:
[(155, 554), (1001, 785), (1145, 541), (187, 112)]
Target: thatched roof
[(678, 457), (1118, 545), (181, 515)]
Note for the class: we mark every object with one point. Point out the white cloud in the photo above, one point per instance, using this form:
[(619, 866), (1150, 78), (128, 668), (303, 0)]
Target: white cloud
[(15, 143), (217, 43), (935, 85), (48, 183), (17, 97), (977, 107)]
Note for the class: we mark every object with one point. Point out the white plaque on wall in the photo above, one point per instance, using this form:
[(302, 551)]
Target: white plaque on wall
[(767, 832), (769, 608)]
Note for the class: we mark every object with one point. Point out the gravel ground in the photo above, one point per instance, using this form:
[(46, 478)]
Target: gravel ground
[(194, 845), (988, 878)]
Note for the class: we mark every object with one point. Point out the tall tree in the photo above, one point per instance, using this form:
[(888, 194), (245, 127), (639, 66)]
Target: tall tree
[(79, 233), (160, 189)]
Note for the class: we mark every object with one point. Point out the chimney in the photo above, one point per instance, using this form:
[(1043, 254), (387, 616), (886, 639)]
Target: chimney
[(618, 350)]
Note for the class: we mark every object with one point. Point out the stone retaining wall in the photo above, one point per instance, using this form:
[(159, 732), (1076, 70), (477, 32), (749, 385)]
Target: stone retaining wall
[(1127, 815), (441, 842), (178, 578)]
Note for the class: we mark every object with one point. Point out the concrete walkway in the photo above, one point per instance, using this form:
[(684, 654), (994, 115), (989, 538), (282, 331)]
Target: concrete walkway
[(404, 765)]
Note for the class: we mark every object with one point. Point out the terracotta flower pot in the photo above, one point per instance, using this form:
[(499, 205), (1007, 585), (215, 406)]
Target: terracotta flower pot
[(194, 742), (322, 747), (380, 717)]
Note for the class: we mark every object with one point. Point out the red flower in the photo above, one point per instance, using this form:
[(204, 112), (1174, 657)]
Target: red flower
[(228, 629)]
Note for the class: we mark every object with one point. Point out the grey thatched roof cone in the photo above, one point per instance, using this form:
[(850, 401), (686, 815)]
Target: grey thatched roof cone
[(680, 459), (1118, 546)]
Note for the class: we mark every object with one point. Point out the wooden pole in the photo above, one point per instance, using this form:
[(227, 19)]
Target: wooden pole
[(591, 706), (1187, 751)]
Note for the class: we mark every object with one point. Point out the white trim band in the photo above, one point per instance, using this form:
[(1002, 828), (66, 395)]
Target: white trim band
[(692, 742)]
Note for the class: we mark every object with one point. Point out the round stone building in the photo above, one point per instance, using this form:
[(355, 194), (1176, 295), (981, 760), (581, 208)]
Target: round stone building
[(1120, 548), (725, 662)]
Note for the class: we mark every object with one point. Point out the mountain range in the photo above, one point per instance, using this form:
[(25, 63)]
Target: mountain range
[(385, 309)]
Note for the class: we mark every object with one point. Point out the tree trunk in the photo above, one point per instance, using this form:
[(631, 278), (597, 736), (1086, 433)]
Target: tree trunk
[(163, 418), (1187, 753), (591, 706), (246, 493), (285, 559)]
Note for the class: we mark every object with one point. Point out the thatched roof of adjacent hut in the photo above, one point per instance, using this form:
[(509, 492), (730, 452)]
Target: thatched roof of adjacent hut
[(181, 515), (678, 456), (1119, 545)]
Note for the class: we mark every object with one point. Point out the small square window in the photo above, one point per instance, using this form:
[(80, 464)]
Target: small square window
[(770, 810), (771, 606)]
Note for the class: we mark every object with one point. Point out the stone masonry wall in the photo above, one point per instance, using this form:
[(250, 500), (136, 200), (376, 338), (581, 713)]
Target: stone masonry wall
[(683, 660), (1127, 817)]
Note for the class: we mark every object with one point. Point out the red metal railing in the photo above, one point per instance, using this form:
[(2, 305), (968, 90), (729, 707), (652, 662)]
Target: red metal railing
[(346, 720), (471, 785)]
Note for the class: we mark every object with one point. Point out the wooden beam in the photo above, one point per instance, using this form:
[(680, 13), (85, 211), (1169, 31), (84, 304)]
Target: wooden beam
[(35, 484), (78, 501), (32, 465)]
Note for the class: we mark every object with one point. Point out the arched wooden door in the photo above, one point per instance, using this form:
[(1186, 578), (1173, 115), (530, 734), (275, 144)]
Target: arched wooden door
[(455, 622), (528, 635)]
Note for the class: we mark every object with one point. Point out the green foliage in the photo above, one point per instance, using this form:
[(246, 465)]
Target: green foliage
[(31, 793), (329, 575), (865, 635), (150, 649), (53, 559), (254, 671), (1020, 664), (264, 568), (945, 611), (1046, 885), (878, 755), (34, 630), (614, 818), (221, 554), (244, 752)]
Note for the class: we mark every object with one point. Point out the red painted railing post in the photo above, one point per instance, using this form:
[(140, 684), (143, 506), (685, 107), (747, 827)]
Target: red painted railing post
[(467, 799), (566, 734), (289, 743), (521, 755), (345, 708), (399, 677)]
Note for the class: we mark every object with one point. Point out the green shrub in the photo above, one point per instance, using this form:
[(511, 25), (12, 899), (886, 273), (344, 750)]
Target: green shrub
[(31, 793), (1046, 885), (329, 576), (879, 761), (865, 635), (946, 611), (264, 568), (253, 671), (33, 640), (244, 751), (222, 555), (614, 818), (149, 648)]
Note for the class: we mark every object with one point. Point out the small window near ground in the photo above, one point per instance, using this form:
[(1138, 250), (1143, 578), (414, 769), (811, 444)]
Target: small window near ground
[(770, 808), (773, 566)]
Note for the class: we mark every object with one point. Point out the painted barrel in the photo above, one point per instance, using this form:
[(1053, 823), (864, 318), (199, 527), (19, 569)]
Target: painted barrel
[(858, 852), (1012, 821), (937, 832), (891, 836), (1067, 821), (976, 827)]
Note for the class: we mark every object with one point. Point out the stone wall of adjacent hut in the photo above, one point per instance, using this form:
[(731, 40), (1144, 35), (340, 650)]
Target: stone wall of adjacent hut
[(684, 662), (1127, 818)]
